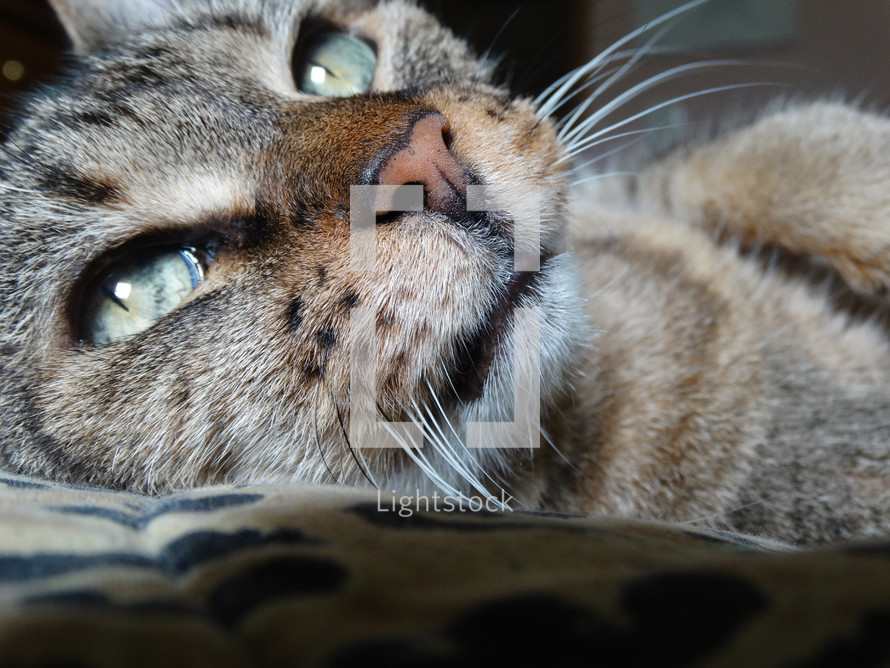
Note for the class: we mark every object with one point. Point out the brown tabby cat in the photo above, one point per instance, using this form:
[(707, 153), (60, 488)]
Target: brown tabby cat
[(178, 282)]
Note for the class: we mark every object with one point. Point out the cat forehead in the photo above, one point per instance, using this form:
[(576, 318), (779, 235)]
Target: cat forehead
[(93, 24), (413, 48), (243, 49), (105, 27)]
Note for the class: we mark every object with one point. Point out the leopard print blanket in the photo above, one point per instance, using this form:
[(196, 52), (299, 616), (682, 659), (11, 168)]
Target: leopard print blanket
[(324, 576)]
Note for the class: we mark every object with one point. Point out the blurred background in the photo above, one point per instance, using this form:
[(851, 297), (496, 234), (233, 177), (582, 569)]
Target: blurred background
[(800, 47)]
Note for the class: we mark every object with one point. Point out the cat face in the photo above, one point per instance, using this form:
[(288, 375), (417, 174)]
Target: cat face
[(176, 265)]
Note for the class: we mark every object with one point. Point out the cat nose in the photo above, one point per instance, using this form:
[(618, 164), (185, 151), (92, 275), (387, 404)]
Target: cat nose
[(426, 159)]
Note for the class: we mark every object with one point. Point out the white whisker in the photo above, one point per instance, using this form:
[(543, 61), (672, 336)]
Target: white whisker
[(639, 88), (418, 459), (605, 175), (724, 513), (460, 442), (451, 456), (6, 186), (555, 93), (621, 135), (616, 76), (582, 145)]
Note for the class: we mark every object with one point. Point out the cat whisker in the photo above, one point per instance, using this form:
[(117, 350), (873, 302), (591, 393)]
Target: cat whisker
[(590, 79), (456, 451), (617, 75), (419, 459), (452, 456), (587, 79), (354, 452), (608, 154), (620, 149), (549, 439), (315, 418), (364, 468), (22, 156), (6, 186), (582, 145), (599, 177), (599, 74), (638, 89), (457, 437), (724, 513), (604, 175), (486, 55), (448, 378), (417, 414), (441, 446), (553, 94), (621, 135)]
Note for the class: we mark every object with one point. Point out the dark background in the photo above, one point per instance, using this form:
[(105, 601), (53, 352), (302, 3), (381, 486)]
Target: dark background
[(29, 35)]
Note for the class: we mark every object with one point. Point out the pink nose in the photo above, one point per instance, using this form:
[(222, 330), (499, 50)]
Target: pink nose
[(427, 160)]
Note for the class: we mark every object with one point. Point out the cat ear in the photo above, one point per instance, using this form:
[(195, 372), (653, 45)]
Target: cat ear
[(90, 23)]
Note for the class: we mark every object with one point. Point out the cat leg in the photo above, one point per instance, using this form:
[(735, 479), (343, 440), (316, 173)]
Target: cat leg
[(812, 180)]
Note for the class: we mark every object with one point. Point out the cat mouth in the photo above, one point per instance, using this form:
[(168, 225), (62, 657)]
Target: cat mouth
[(468, 381)]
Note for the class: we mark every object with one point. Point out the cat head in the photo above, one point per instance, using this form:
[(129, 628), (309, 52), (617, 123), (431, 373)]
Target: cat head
[(188, 287)]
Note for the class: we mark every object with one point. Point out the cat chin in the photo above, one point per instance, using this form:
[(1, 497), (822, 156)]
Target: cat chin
[(460, 457)]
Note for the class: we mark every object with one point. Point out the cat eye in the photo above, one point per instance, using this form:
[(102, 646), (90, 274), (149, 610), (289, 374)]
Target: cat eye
[(132, 295), (334, 64)]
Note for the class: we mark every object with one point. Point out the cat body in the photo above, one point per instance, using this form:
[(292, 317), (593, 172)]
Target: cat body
[(681, 377)]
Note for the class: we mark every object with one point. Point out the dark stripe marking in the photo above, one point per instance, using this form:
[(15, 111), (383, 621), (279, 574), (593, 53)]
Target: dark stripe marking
[(294, 314), (177, 558), (141, 520), (349, 299), (68, 183), (23, 484), (327, 337), (273, 580)]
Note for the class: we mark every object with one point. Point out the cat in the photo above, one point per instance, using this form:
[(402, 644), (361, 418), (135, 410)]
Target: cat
[(181, 305)]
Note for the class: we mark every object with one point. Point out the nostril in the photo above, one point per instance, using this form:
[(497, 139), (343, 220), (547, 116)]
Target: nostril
[(447, 138)]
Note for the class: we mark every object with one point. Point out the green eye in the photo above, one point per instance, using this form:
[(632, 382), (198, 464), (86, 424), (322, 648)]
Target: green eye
[(134, 294), (334, 64)]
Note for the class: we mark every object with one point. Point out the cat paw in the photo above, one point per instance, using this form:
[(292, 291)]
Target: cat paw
[(810, 180)]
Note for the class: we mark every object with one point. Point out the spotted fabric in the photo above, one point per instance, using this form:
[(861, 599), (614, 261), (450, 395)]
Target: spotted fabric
[(324, 576)]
